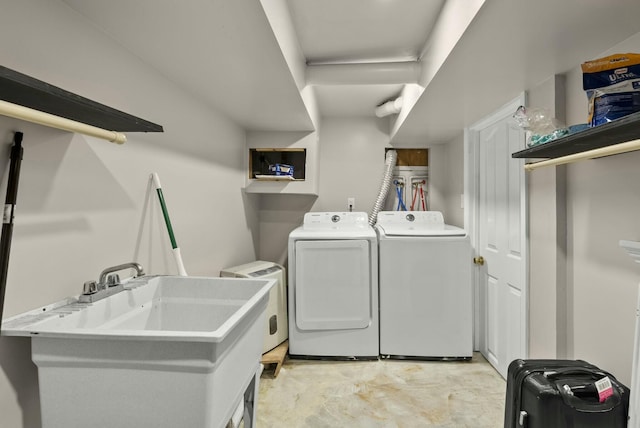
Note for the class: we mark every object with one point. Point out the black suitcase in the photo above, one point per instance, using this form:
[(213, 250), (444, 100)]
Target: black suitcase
[(561, 393)]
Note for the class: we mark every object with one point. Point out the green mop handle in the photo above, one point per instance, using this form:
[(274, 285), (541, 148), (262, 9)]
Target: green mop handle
[(167, 220)]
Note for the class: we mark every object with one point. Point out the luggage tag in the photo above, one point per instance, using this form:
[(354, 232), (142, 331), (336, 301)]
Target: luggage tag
[(605, 389)]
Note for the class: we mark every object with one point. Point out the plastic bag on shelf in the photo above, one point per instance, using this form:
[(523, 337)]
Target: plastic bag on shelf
[(541, 127)]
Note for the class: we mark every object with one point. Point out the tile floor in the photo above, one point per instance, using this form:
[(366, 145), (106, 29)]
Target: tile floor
[(385, 393)]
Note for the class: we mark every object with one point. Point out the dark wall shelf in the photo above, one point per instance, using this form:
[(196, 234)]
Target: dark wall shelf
[(18, 88), (619, 131)]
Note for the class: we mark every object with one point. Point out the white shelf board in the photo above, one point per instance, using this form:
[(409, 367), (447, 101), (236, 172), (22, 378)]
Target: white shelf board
[(291, 187), (276, 178)]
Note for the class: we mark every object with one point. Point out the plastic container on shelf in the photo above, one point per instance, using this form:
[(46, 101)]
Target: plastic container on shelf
[(281, 169)]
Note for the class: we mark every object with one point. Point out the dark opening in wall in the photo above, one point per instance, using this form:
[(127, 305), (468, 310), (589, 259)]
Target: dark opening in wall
[(261, 159)]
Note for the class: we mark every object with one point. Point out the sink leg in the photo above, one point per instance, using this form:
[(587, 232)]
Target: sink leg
[(250, 402)]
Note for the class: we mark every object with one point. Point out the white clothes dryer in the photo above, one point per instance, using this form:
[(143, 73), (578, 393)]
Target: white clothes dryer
[(333, 287), (426, 298)]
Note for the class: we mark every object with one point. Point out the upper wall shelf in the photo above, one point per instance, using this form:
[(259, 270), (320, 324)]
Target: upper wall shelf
[(619, 131), (20, 89)]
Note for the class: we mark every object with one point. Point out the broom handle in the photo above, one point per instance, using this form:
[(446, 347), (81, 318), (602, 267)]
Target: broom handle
[(7, 218), (174, 245)]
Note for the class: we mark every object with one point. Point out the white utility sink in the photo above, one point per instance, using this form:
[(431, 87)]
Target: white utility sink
[(166, 352)]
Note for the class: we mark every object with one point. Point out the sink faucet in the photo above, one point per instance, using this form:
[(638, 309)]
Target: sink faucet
[(102, 280), (107, 285)]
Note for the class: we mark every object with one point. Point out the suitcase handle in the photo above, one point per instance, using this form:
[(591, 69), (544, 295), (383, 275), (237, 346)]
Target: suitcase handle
[(587, 406), (552, 374), (578, 403), (591, 406)]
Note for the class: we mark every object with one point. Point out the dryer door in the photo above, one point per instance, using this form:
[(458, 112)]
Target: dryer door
[(333, 284)]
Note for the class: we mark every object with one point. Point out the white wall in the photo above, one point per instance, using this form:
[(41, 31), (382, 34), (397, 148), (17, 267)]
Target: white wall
[(454, 211), (281, 210), (80, 199), (351, 164), (547, 238), (351, 157), (446, 180), (602, 205), (602, 200), (438, 183)]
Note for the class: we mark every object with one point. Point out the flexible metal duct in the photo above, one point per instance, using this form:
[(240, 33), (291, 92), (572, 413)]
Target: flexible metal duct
[(389, 164)]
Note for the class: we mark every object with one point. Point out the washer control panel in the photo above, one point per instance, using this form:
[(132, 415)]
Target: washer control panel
[(430, 219), (335, 220)]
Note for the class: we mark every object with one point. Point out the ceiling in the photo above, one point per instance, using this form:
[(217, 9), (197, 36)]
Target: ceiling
[(226, 53), (512, 46), (525, 41), (361, 31), (222, 52), (331, 31)]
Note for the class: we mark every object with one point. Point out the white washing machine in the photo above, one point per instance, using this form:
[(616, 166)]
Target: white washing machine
[(333, 287), (425, 287)]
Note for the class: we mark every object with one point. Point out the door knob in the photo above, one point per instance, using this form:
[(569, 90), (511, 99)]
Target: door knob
[(479, 260)]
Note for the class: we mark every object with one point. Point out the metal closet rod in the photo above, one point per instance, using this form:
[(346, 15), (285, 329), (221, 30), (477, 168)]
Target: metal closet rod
[(52, 121), (615, 149)]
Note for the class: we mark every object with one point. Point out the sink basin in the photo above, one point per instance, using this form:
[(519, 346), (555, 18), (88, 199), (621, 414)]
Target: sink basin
[(167, 351)]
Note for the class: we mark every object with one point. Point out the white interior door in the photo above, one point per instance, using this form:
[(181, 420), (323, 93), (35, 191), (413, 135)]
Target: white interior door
[(500, 235)]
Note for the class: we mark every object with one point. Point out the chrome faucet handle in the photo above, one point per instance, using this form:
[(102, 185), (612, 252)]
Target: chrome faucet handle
[(90, 287), (113, 280)]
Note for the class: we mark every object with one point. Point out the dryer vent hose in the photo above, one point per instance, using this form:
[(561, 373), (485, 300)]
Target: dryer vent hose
[(389, 164)]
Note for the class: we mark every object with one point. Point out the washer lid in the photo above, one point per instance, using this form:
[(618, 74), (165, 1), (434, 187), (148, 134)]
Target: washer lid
[(416, 223)]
